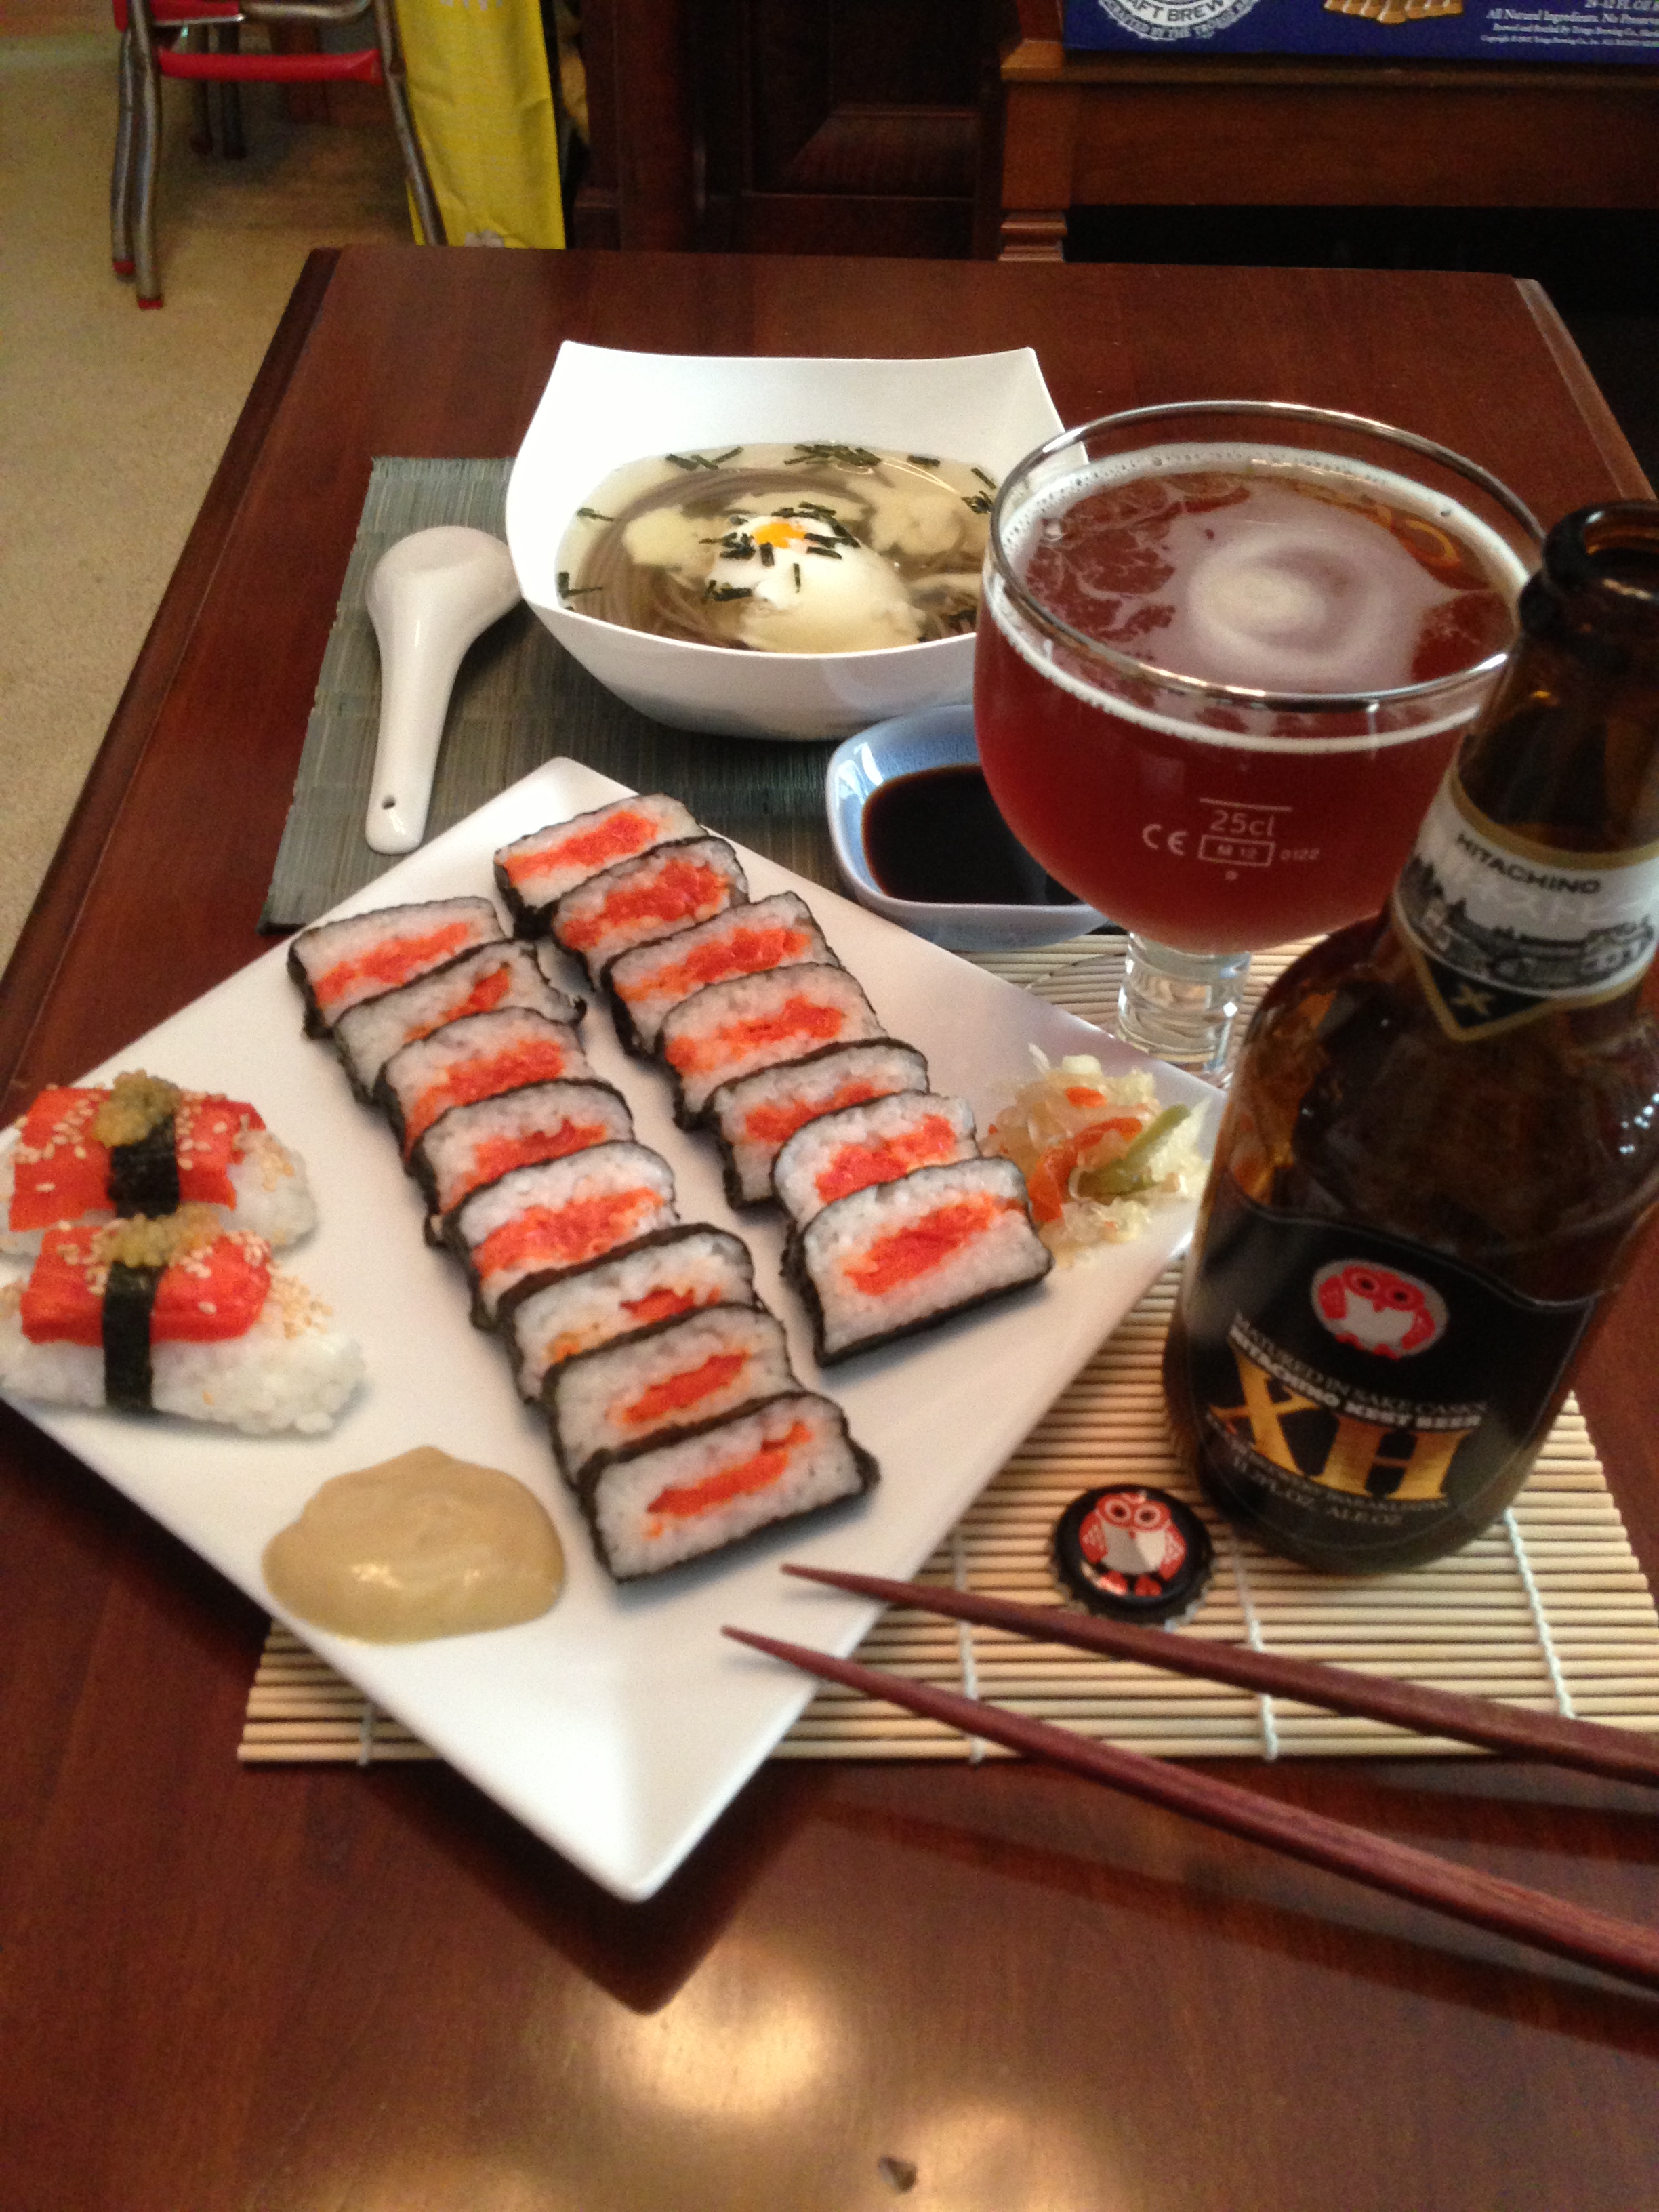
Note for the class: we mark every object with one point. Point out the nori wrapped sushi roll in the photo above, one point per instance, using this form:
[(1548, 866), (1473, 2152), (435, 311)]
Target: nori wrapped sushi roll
[(698, 1367), (750, 939), (474, 1144), (666, 889), (839, 1153), (755, 1115), (338, 964), (898, 1256), (731, 1028), (554, 1314), (559, 1213), (476, 982), (534, 872), (480, 1056), (700, 1490)]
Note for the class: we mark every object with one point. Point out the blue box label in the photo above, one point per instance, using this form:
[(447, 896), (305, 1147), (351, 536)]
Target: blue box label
[(1387, 30)]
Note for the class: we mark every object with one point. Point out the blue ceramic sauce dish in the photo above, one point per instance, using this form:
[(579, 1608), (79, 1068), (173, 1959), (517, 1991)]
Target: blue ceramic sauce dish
[(905, 812)]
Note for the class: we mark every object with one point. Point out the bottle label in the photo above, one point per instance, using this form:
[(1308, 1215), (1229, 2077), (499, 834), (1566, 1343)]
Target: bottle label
[(1502, 929), (1351, 1391)]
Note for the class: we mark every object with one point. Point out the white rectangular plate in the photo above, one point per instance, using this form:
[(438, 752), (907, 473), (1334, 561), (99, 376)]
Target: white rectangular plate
[(619, 1725)]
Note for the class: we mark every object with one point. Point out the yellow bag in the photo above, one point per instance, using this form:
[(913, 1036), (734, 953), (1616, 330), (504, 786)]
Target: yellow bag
[(483, 106)]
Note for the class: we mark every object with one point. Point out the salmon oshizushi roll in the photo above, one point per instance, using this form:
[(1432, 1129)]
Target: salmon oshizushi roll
[(666, 889), (842, 1152), (338, 964), (144, 1146), (480, 1056), (471, 1146), (645, 983), (175, 1316), (491, 976), (550, 1317), (755, 1115), (534, 872), (697, 1368), (559, 1213), (897, 1256), (660, 1504), (731, 1028)]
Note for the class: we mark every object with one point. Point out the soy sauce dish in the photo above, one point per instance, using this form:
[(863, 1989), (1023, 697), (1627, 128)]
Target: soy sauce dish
[(918, 838)]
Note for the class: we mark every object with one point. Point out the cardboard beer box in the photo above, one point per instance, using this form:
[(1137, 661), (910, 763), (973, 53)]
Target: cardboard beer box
[(1387, 30)]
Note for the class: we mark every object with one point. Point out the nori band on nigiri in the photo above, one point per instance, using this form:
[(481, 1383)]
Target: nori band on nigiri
[(129, 1298), (144, 1175)]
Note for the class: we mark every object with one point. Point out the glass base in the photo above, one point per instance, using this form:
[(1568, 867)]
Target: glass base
[(1180, 1005)]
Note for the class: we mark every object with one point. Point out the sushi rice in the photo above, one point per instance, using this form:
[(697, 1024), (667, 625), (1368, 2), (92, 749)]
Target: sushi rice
[(292, 1369)]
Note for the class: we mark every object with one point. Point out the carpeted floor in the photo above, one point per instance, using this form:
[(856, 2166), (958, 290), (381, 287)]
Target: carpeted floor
[(112, 420)]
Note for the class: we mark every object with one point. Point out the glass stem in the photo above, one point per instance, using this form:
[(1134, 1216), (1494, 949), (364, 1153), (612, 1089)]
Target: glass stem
[(1180, 1005)]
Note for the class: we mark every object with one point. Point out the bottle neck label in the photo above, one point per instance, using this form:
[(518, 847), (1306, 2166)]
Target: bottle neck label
[(1354, 1395), (1502, 929)]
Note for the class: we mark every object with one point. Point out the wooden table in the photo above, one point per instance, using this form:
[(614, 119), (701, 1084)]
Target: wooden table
[(1184, 129), (316, 1991)]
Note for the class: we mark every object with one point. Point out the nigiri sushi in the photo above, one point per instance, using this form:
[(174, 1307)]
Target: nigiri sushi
[(144, 1146), (175, 1316)]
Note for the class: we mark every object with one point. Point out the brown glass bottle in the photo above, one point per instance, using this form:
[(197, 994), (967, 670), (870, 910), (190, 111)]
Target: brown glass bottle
[(1443, 1133)]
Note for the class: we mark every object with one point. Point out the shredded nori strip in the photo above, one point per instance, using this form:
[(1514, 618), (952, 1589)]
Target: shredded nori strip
[(724, 591), (925, 460), (129, 1298), (767, 556), (701, 460), (848, 456), (593, 514), (990, 481), (143, 1176), (979, 502)]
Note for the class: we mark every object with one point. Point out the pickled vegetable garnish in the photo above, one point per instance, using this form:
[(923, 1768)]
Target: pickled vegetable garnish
[(1097, 1152)]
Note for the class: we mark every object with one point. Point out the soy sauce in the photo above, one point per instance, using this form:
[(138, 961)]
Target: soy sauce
[(937, 838)]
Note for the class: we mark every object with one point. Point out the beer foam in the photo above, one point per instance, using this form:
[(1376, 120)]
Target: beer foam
[(1306, 598)]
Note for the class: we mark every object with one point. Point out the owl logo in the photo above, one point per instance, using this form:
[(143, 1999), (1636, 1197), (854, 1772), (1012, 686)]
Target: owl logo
[(1131, 1545), (1378, 1309)]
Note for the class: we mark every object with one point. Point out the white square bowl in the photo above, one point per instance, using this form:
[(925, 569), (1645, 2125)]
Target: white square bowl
[(601, 408)]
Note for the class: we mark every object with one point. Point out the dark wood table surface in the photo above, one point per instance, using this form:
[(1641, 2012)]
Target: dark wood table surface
[(324, 1991)]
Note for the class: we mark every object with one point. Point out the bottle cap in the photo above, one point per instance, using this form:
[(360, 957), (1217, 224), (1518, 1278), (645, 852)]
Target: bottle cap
[(1133, 1553)]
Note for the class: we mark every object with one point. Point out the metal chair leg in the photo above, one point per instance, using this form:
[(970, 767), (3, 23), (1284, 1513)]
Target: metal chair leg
[(120, 174), (397, 92), (147, 146)]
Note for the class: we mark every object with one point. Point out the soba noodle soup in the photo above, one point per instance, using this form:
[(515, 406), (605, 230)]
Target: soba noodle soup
[(783, 549)]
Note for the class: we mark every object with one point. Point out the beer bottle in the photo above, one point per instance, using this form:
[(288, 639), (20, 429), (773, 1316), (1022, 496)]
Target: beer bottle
[(1443, 1135)]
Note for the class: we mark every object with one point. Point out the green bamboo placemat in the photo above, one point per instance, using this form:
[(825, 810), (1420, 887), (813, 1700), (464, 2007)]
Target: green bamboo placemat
[(518, 699)]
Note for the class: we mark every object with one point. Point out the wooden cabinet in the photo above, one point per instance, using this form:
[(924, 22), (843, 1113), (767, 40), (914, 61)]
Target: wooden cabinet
[(1255, 131), (842, 126)]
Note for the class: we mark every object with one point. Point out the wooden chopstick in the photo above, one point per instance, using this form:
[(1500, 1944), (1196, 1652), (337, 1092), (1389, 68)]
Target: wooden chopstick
[(1504, 1908), (1618, 1754)]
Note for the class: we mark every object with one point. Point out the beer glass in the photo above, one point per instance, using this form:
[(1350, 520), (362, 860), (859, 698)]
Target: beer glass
[(1227, 651)]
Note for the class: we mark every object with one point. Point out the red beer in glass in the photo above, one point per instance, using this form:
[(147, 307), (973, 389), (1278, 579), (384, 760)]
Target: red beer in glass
[(1225, 654)]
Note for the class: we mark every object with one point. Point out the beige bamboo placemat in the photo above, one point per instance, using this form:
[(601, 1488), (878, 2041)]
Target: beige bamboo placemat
[(1548, 1609)]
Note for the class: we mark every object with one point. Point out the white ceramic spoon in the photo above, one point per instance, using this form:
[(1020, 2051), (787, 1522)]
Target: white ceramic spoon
[(429, 598)]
